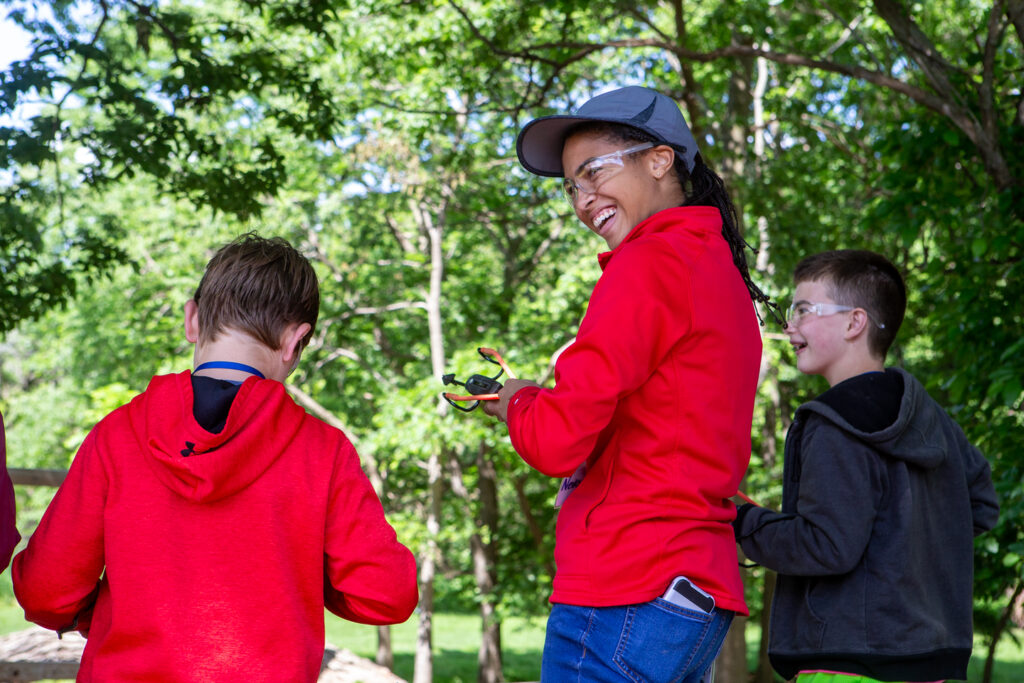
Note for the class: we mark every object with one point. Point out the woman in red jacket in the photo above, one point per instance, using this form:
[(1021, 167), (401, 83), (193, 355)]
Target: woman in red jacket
[(649, 419)]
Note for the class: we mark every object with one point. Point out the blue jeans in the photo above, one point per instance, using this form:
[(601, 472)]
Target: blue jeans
[(653, 642)]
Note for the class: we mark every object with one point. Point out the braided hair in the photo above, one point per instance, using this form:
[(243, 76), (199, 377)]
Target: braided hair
[(701, 187)]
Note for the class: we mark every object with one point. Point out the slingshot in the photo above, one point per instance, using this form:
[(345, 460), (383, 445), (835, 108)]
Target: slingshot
[(480, 387)]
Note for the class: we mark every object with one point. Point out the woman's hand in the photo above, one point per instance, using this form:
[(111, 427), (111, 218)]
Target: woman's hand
[(499, 408)]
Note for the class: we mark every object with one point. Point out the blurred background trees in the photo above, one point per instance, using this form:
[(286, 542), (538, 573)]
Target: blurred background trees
[(379, 137)]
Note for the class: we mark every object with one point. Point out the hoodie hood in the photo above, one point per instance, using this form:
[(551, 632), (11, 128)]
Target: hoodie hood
[(916, 436), (205, 467)]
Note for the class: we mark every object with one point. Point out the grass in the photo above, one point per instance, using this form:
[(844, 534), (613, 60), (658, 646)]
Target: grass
[(456, 639), (457, 636), (1009, 664)]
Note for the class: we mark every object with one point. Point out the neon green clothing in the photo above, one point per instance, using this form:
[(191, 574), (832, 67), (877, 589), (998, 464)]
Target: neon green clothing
[(834, 677)]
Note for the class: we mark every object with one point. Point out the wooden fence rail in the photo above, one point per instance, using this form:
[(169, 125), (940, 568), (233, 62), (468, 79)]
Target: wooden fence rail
[(32, 477)]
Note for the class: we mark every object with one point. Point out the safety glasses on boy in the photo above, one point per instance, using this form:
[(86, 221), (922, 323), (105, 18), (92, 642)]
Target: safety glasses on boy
[(798, 311)]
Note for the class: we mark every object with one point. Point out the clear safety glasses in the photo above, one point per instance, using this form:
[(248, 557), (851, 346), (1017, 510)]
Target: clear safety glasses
[(800, 310), (594, 173)]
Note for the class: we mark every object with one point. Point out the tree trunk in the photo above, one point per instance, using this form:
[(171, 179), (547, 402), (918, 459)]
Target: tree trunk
[(484, 556), (424, 663), (769, 379), (765, 674), (385, 654), (731, 665), (536, 533), (484, 569), (997, 633)]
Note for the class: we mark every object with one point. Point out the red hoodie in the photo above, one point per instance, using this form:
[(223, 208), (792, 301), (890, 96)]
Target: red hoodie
[(217, 552), (9, 535), (656, 395)]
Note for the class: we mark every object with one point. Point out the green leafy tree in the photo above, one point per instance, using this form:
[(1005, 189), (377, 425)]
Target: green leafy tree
[(379, 137), (192, 97)]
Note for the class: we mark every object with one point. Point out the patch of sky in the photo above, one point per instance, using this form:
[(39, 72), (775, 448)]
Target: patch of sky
[(14, 42), (354, 189), (15, 45), (85, 157)]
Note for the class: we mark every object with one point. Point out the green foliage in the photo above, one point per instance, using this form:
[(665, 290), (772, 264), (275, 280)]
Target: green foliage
[(362, 131), (193, 98)]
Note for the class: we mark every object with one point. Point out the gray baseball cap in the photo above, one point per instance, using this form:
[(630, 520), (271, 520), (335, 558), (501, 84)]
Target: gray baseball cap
[(540, 142)]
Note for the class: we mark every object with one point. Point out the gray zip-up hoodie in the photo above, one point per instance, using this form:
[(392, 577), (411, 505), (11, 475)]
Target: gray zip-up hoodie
[(874, 544)]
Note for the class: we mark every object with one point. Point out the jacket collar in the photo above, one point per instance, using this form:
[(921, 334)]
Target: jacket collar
[(691, 217)]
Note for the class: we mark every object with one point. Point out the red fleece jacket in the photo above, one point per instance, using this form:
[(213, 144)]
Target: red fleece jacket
[(656, 395), (217, 552)]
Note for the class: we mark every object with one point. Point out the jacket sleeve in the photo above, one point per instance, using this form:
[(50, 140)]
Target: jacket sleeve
[(839, 484), (57, 575), (984, 504), (638, 311), (369, 577), (9, 536)]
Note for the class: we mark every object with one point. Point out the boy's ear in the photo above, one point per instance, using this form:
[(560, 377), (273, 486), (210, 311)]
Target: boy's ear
[(291, 344), (192, 321), (857, 324)]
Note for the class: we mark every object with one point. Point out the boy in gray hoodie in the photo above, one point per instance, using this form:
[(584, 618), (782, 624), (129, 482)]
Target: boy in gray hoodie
[(882, 497)]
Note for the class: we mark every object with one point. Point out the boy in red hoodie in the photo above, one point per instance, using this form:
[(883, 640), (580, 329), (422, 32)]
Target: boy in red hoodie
[(204, 527)]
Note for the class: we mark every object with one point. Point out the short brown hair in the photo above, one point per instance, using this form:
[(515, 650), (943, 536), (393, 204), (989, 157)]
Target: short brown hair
[(864, 279), (258, 286)]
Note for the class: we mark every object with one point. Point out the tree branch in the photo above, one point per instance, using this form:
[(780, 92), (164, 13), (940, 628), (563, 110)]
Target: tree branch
[(172, 37), (1015, 12), (691, 93), (550, 369), (646, 21), (986, 89), (945, 101), (519, 484), (365, 457), (492, 46), (936, 70), (353, 356), (850, 29), (404, 244), (377, 310)]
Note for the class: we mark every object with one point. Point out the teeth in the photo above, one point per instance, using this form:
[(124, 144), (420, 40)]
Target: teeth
[(602, 217)]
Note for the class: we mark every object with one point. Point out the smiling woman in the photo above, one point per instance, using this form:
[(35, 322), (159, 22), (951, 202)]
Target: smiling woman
[(612, 203), (649, 419)]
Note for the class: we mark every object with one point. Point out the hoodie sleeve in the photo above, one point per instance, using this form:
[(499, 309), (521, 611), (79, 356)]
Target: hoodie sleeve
[(369, 577), (57, 575), (9, 536), (827, 534), (636, 314), (984, 504)]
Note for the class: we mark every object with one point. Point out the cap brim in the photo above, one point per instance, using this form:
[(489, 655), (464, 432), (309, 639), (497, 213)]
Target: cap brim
[(540, 142)]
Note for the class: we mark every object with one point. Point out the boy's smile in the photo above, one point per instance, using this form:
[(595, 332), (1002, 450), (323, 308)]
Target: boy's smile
[(817, 340)]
